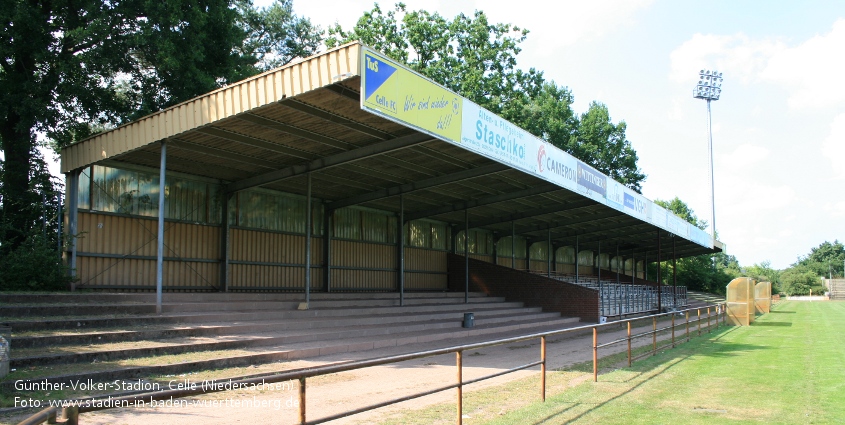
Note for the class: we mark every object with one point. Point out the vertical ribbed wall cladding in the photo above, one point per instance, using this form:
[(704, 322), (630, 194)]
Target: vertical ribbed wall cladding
[(118, 252)]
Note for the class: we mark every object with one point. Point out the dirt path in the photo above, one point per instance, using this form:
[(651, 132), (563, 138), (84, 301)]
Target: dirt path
[(333, 394)]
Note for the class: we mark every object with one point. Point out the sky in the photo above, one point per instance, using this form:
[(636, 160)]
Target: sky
[(778, 129)]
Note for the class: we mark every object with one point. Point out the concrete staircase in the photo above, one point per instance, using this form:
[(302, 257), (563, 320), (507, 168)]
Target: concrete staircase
[(837, 289), (74, 337)]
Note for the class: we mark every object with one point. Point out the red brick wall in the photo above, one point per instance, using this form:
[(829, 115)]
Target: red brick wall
[(535, 291)]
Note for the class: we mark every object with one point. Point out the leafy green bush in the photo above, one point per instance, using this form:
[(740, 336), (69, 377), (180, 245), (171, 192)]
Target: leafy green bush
[(800, 280), (34, 265)]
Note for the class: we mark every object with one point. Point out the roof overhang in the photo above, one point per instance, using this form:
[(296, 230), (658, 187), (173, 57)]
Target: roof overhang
[(273, 129)]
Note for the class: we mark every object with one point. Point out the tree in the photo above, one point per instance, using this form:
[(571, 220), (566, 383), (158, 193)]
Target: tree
[(825, 260), (467, 54), (477, 60), (800, 280), (70, 69), (707, 272)]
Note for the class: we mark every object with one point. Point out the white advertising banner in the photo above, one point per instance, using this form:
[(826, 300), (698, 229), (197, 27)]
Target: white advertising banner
[(393, 91)]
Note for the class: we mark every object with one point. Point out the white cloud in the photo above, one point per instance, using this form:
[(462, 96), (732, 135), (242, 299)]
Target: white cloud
[(813, 70), (833, 146), (558, 24), (745, 155), (736, 56), (810, 71)]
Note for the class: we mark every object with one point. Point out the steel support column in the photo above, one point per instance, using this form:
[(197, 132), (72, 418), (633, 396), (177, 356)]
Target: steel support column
[(674, 276), (601, 294), (224, 245), (549, 265), (401, 250), (577, 266), (659, 284), (308, 244), (73, 220), (328, 228), (466, 256), (513, 244), (160, 233)]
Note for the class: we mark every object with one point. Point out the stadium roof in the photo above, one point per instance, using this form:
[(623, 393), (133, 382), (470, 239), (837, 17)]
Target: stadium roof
[(271, 130)]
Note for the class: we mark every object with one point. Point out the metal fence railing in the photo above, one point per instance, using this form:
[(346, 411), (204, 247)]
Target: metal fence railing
[(71, 412)]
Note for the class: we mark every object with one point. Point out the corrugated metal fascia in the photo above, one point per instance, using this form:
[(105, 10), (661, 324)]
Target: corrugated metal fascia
[(290, 80)]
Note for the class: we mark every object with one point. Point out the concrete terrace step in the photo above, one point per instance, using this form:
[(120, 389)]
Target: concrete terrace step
[(269, 338), (217, 306), (222, 329), (310, 349), (149, 298), (198, 317)]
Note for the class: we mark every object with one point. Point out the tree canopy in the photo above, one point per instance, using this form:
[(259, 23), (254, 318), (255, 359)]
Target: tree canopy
[(708, 272), (478, 60), (72, 68)]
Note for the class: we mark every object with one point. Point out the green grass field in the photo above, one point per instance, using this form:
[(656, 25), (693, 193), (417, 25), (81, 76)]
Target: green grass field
[(787, 368)]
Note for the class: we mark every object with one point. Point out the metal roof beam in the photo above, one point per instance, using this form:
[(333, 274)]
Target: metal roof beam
[(220, 153), (295, 131), (418, 185), (557, 224), (337, 119), (253, 141), (329, 161), (536, 212), (460, 206), (344, 91)]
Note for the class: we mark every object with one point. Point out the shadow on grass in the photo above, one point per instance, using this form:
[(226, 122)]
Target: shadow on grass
[(669, 357), (772, 324), (781, 312)]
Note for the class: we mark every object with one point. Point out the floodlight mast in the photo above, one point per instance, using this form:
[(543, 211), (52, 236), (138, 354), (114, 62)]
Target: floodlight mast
[(710, 88)]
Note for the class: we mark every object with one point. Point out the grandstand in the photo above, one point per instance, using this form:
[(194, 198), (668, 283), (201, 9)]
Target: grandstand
[(310, 190)]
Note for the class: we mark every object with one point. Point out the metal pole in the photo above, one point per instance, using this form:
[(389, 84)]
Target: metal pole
[(327, 249), (712, 179), (466, 256), (618, 284), (59, 219), (577, 266), (302, 420), (654, 336), (224, 244), (308, 244), (513, 245), (160, 237), (601, 292), (73, 219), (629, 343), (659, 284), (595, 354), (543, 368), (401, 250), (674, 276), (549, 265), (460, 399)]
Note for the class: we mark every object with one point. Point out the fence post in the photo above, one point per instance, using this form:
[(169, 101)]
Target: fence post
[(673, 330), (698, 322), (653, 336), (687, 324), (71, 415), (629, 343), (595, 354), (543, 368), (302, 401), (708, 320), (460, 409)]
